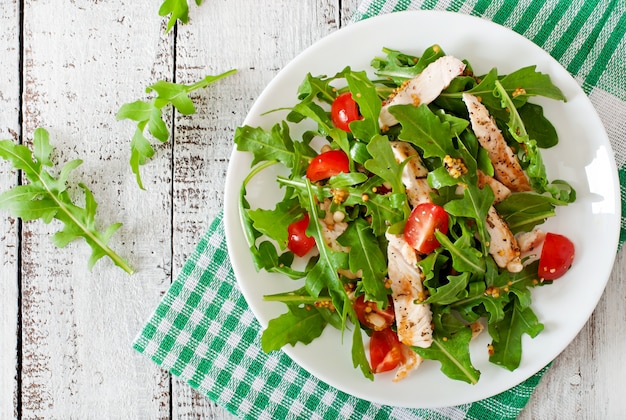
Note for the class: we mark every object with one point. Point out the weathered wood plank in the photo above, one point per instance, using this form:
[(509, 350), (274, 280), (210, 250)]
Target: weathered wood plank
[(9, 129), (82, 61)]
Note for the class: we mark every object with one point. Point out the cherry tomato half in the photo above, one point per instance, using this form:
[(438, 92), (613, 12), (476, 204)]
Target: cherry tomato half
[(297, 240), (385, 350), (371, 316), (557, 256), (424, 220), (343, 111), (327, 164)]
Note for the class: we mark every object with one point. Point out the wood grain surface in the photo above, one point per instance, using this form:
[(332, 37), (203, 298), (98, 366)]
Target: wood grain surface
[(66, 331)]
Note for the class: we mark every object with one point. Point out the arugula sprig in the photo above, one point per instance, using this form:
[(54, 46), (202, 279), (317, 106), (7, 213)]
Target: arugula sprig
[(149, 114), (46, 197), (178, 11)]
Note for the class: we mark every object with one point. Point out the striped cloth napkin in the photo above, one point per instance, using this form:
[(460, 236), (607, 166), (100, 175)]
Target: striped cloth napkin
[(203, 330)]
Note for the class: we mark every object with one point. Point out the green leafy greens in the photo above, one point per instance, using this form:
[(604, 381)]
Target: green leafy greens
[(178, 10), (149, 115), (463, 283), (46, 197)]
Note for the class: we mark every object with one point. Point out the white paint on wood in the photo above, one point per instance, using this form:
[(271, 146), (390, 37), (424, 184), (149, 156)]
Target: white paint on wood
[(9, 129), (79, 325)]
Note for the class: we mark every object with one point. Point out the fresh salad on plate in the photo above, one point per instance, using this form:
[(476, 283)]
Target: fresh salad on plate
[(414, 195)]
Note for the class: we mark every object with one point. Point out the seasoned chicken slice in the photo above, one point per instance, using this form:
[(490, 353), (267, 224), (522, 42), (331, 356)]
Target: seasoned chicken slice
[(413, 319), (500, 191), (411, 362), (423, 88), (503, 246), (414, 173), (530, 244), (507, 168)]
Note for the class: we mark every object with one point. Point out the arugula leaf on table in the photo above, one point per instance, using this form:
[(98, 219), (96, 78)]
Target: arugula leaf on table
[(46, 197), (178, 9), (149, 114)]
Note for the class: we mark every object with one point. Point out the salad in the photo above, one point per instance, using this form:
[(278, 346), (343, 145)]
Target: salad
[(411, 210)]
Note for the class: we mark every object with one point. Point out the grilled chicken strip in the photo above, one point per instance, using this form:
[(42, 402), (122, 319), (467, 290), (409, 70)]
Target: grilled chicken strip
[(414, 173), (500, 191), (423, 88), (413, 319), (507, 168), (411, 362), (531, 244), (503, 246)]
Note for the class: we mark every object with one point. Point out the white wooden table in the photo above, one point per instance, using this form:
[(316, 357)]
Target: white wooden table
[(65, 331)]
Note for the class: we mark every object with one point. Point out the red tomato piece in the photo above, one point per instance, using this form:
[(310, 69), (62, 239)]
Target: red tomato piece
[(344, 110), (557, 256), (328, 164), (372, 316), (385, 351), (297, 241), (424, 220)]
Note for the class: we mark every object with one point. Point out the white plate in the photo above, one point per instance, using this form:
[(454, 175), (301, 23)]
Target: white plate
[(583, 157)]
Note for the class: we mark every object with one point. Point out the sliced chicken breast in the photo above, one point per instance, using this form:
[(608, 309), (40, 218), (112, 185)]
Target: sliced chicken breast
[(411, 362), (503, 246), (423, 88), (414, 173), (507, 168), (500, 191), (413, 319)]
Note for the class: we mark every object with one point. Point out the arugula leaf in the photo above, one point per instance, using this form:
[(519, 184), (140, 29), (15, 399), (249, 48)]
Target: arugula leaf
[(465, 258), (384, 164), (364, 93), (507, 335), (298, 325), (324, 273), (475, 204), (527, 81), (538, 126), (273, 223), (399, 66), (47, 198), (313, 87), (523, 211), (366, 255), (358, 349), (421, 127), (178, 9), (150, 115), (450, 292), (275, 144), (451, 349)]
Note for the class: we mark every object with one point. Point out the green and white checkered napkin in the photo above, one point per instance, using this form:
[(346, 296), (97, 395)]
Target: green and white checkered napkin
[(203, 330)]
